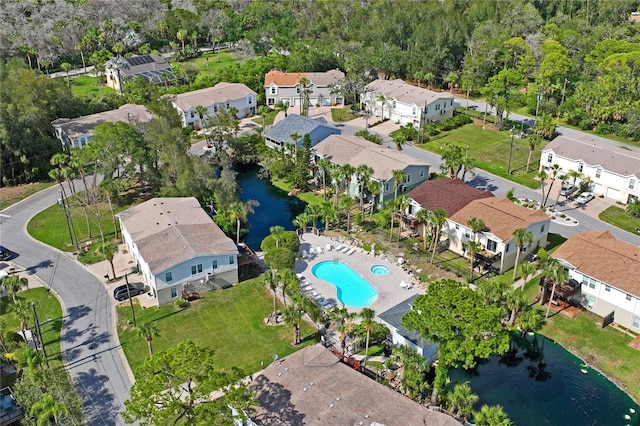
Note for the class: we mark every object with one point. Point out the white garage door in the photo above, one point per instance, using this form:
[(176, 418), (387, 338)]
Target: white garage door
[(596, 188), (297, 101), (613, 193)]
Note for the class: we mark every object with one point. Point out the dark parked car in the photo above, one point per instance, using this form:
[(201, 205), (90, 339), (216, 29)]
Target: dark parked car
[(120, 293), (5, 253)]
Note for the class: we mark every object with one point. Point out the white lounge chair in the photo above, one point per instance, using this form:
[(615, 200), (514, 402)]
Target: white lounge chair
[(319, 250), (351, 251), (345, 249), (339, 247), (403, 284), (329, 247), (308, 288), (312, 251)]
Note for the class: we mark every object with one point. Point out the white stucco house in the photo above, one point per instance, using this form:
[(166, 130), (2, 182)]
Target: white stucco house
[(404, 103), (220, 97), (283, 86), (355, 150), (614, 172), (607, 270), (501, 217), (177, 247), (77, 132)]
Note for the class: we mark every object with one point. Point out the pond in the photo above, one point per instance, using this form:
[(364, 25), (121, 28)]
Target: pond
[(541, 383), (276, 207)]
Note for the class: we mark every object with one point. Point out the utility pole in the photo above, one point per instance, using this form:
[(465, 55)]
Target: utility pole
[(39, 333), (510, 151), (133, 314), (564, 88), (72, 234)]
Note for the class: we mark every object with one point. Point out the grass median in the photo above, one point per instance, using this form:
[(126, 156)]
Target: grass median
[(230, 322), (618, 217)]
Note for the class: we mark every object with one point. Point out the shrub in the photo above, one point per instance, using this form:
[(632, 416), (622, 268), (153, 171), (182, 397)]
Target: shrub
[(181, 303)]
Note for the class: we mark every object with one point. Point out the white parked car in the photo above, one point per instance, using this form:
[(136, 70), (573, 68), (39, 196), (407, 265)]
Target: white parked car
[(584, 198)]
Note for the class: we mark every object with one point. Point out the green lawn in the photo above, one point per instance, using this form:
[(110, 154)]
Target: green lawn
[(87, 86), (50, 226), (215, 62), (554, 241), (49, 315), (268, 119), (12, 194), (230, 322), (490, 148), (342, 114), (617, 216)]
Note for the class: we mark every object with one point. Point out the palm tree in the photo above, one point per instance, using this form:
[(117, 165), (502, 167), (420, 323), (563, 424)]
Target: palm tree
[(148, 331), (382, 99), (417, 76), (526, 270), (302, 220), (314, 211), (292, 315), (476, 225), (3, 331), (345, 323), (66, 67), (329, 213), (398, 177), (276, 231), (48, 408), (346, 203), (491, 415), (13, 284), (182, 35), (516, 300), (263, 111), (337, 174), (530, 320), (553, 270), (367, 316), (202, 112), (461, 400), (521, 237), (22, 310), (363, 173), (348, 171), (107, 251), (574, 175), (452, 79), (288, 279), (401, 206), (473, 247), (554, 169), (542, 176), (304, 94), (239, 211), (563, 179), (271, 279), (428, 77), (374, 188), (423, 217), (439, 219), (534, 142), (324, 165)]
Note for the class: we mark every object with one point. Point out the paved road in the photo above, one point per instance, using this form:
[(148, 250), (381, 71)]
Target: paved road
[(89, 349)]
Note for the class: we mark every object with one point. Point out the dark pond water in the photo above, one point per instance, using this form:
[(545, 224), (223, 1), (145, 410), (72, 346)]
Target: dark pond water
[(276, 207), (542, 384)]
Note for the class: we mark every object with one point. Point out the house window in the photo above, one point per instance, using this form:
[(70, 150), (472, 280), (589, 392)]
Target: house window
[(195, 269), (271, 101), (457, 226), (414, 111), (192, 114), (214, 264), (607, 288), (492, 245), (636, 322), (273, 90), (232, 260), (628, 297), (632, 184), (580, 167), (542, 228), (227, 105), (506, 248), (467, 233), (249, 100), (422, 173), (598, 172), (589, 282), (215, 109), (386, 186), (174, 292), (592, 302), (437, 107), (408, 179), (549, 158), (393, 103), (451, 102), (168, 276), (297, 89)]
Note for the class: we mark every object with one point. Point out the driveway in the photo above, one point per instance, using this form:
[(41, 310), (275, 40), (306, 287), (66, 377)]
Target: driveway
[(89, 350)]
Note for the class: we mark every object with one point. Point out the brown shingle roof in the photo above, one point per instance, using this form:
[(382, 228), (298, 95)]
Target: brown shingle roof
[(311, 387), (220, 93), (600, 255), (354, 150), (290, 79), (593, 153), (169, 231), (448, 194), (86, 124), (500, 215)]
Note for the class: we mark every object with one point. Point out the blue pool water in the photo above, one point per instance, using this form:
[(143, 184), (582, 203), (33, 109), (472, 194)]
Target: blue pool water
[(379, 270), (353, 290), (541, 383)]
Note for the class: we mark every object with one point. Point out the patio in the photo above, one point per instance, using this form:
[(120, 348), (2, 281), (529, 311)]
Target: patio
[(390, 291)]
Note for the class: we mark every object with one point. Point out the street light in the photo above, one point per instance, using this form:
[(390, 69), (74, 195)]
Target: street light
[(510, 151)]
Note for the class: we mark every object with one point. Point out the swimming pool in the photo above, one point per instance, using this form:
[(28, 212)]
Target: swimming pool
[(353, 290), (379, 270)]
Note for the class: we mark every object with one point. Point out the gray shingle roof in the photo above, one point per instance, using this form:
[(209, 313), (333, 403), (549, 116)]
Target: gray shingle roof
[(405, 93), (594, 153), (86, 124), (220, 93), (393, 317), (169, 231), (293, 123)]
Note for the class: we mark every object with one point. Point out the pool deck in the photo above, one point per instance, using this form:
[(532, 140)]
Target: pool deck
[(390, 293)]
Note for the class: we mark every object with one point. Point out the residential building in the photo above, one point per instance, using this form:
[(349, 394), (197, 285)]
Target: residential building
[(449, 195), (311, 386), (77, 132), (404, 103), (285, 87), (607, 269), (10, 412), (279, 135), (354, 150), (501, 217), (178, 248), (220, 97), (153, 68), (402, 336), (614, 172)]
